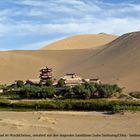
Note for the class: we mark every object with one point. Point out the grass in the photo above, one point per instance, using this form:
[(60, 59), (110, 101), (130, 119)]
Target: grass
[(77, 105)]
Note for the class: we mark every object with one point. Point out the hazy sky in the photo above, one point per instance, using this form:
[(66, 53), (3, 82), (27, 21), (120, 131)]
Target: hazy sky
[(29, 24)]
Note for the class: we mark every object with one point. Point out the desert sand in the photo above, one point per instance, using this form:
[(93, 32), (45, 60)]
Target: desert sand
[(117, 62), (26, 64), (85, 124), (88, 41)]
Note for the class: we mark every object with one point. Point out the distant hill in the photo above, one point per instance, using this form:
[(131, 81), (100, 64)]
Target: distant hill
[(88, 41)]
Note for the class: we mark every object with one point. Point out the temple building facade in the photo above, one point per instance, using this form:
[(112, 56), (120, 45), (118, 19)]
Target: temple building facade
[(45, 74), (72, 79)]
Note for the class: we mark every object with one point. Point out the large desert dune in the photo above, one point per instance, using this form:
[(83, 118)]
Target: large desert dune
[(117, 62), (90, 41)]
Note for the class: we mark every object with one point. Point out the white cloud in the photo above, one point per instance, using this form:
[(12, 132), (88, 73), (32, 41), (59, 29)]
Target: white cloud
[(67, 17), (109, 25), (45, 3), (77, 2), (64, 6)]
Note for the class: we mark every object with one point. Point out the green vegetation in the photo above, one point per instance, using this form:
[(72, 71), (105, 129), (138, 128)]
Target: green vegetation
[(83, 105), (89, 91), (106, 90), (49, 82), (61, 83), (84, 91), (135, 94), (85, 97), (20, 83), (3, 86), (37, 92)]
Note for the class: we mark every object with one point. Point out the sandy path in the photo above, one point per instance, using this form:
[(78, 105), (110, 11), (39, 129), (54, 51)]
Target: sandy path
[(86, 123)]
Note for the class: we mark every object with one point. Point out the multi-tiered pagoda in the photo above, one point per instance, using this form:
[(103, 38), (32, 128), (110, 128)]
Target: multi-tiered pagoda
[(45, 74)]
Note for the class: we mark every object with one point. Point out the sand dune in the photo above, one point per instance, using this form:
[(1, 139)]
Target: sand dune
[(81, 42), (26, 64), (118, 62)]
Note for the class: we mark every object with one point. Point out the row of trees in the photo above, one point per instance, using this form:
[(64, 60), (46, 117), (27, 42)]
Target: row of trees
[(88, 90), (37, 92), (84, 91)]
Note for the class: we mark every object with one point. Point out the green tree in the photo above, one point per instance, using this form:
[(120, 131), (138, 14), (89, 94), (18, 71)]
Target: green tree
[(30, 92), (86, 94), (107, 90), (81, 92), (49, 82), (91, 87), (37, 92), (61, 83), (78, 90), (47, 92), (68, 93)]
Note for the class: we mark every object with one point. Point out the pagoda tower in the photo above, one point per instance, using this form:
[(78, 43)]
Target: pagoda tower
[(45, 74)]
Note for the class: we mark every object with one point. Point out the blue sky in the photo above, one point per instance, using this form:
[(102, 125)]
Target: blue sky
[(30, 24)]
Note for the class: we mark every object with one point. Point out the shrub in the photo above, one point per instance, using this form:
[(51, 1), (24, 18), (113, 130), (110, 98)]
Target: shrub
[(47, 92), (68, 93), (135, 94), (116, 109), (89, 90), (86, 94), (91, 87), (89, 105), (20, 83), (84, 91), (61, 83), (116, 88), (107, 90), (2, 86), (37, 92), (79, 90), (4, 102), (49, 82)]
